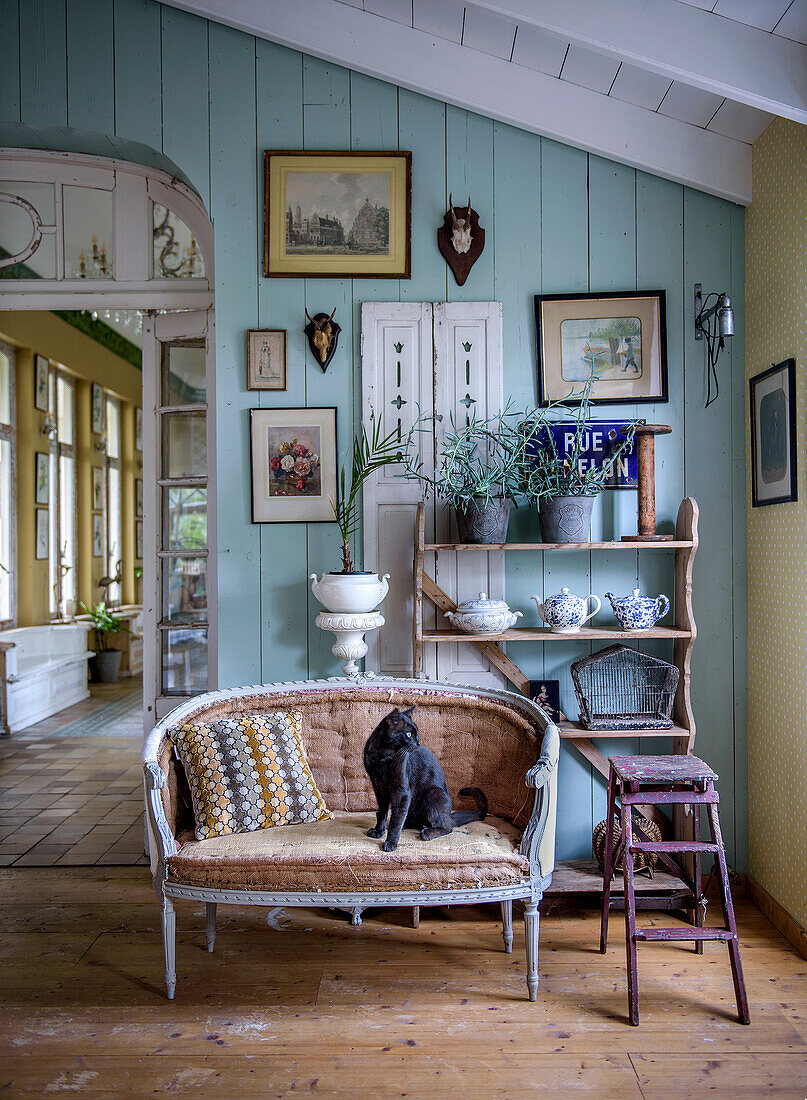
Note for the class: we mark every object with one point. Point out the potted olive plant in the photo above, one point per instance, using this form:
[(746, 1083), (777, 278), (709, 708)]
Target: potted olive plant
[(350, 590), (107, 659)]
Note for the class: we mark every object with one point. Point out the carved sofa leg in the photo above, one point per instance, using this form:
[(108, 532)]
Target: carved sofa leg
[(507, 925), (169, 926), (210, 932), (531, 929)]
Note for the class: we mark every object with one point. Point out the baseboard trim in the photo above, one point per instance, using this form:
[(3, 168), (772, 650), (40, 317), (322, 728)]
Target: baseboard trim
[(790, 928)]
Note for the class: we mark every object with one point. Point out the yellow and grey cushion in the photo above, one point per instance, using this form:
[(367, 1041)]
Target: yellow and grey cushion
[(248, 772)]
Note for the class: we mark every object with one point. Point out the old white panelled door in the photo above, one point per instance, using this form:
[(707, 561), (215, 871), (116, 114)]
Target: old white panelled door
[(440, 358)]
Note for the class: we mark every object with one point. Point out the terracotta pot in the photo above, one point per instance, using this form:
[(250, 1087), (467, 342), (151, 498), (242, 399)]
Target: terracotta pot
[(566, 519), (484, 521)]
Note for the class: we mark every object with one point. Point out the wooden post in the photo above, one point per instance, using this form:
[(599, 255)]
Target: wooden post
[(646, 462)]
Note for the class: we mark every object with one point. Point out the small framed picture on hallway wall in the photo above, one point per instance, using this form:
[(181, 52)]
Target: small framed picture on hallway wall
[(773, 435)]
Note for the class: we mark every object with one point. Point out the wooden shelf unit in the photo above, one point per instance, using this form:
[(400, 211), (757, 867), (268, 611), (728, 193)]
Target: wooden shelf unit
[(682, 634)]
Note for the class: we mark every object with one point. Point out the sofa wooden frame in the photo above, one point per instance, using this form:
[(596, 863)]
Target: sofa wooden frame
[(541, 777)]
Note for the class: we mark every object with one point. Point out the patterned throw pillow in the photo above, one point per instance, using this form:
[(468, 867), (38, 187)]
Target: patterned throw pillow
[(248, 772)]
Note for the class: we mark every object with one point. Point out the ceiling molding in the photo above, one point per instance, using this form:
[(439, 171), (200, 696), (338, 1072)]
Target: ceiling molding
[(496, 88), (681, 42)]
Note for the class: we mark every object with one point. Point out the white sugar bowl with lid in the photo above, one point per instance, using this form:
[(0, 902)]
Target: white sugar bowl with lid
[(483, 616), (565, 613)]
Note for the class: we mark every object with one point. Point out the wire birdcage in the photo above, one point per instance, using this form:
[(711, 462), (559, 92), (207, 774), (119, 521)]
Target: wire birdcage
[(622, 689)]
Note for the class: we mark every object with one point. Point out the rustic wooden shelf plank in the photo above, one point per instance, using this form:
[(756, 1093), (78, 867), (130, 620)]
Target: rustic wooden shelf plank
[(536, 634), (573, 730), (672, 545)]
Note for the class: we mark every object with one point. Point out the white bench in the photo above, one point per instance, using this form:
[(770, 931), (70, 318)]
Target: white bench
[(44, 670)]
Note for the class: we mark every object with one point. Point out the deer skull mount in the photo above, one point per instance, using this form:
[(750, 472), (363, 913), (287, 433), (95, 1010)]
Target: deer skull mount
[(323, 336), (460, 239)]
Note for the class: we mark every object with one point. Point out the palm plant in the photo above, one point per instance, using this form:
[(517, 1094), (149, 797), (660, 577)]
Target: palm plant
[(105, 623)]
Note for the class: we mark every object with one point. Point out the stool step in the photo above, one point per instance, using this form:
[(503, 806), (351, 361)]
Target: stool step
[(673, 846), (683, 934)]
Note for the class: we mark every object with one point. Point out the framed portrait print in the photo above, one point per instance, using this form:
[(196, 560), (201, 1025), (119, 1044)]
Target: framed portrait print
[(619, 340), (97, 488), (266, 359), (97, 536), (773, 435), (139, 539), (138, 496), (337, 214), (42, 469), (41, 372), (97, 409), (138, 430), (42, 539), (293, 455)]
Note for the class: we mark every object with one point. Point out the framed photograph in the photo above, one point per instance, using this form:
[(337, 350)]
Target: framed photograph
[(41, 373), (266, 359), (293, 456), (546, 693), (138, 496), (139, 430), (139, 539), (42, 534), (42, 492), (97, 536), (773, 435), (97, 488), (97, 409), (620, 338), (337, 215)]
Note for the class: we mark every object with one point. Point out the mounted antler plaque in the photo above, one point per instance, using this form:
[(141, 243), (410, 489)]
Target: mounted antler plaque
[(323, 336), (460, 239)]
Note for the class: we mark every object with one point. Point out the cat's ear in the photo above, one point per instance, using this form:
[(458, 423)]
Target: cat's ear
[(407, 713)]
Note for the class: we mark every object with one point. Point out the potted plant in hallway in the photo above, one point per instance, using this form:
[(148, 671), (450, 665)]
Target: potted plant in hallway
[(352, 591), (107, 659)]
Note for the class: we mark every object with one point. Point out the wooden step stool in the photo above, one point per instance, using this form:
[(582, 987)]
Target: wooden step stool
[(668, 781)]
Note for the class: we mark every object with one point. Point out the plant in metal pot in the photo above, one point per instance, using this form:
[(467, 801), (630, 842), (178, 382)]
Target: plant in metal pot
[(107, 659), (562, 486), (355, 591)]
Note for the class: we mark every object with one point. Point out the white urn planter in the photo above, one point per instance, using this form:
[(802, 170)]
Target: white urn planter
[(350, 593)]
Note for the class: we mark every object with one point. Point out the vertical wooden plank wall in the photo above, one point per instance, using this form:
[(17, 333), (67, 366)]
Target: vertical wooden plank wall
[(556, 220)]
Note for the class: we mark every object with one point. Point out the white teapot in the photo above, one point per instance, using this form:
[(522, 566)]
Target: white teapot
[(565, 613)]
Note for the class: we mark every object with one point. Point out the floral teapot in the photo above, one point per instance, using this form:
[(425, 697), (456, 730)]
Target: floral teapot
[(637, 612), (565, 613), (483, 616)]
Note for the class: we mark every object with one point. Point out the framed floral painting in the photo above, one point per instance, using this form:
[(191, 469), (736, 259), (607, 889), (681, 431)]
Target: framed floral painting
[(293, 453)]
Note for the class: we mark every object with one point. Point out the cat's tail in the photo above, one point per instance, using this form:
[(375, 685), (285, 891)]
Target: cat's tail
[(462, 817)]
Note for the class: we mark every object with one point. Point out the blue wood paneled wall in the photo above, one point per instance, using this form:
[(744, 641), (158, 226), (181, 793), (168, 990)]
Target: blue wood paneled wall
[(556, 218)]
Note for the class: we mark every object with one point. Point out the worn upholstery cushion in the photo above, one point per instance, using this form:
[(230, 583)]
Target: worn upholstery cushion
[(248, 772), (337, 855)]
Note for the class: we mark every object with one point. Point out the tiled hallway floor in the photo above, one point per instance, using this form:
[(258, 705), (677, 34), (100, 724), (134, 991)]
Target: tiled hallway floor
[(71, 788)]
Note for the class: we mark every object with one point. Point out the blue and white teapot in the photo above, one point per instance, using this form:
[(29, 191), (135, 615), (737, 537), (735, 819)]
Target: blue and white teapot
[(637, 612), (565, 613)]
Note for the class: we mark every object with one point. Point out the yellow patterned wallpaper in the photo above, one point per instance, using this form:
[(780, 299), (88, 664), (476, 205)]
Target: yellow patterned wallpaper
[(776, 319)]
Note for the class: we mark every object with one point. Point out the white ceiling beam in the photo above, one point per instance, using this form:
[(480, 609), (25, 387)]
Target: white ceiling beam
[(490, 86), (681, 42)]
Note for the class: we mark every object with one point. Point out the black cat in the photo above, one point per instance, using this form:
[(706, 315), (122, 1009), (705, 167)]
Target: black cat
[(409, 784)]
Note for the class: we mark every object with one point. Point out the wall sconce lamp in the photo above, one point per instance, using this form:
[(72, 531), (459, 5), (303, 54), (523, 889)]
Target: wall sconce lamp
[(713, 323), (100, 445), (48, 429)]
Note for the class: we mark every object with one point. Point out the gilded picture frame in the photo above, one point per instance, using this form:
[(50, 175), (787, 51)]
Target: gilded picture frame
[(337, 214)]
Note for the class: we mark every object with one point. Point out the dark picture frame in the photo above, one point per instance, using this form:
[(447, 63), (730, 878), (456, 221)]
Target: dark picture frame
[(281, 495), (280, 263), (561, 365), (41, 379), (772, 399), (41, 478)]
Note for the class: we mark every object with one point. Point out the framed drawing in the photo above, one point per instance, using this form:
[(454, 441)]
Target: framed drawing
[(138, 496), (97, 536), (266, 359), (139, 539), (42, 491), (42, 540), (620, 339), (97, 409), (293, 456), (97, 488), (138, 430), (773, 435), (337, 214), (41, 372)]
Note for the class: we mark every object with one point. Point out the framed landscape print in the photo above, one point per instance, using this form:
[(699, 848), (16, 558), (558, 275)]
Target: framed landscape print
[(97, 488), (97, 536), (97, 409), (619, 339), (773, 435), (42, 488), (41, 372), (266, 359), (337, 214), (293, 454), (42, 540)]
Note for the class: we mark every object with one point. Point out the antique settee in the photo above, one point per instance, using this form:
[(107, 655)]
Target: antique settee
[(495, 740)]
